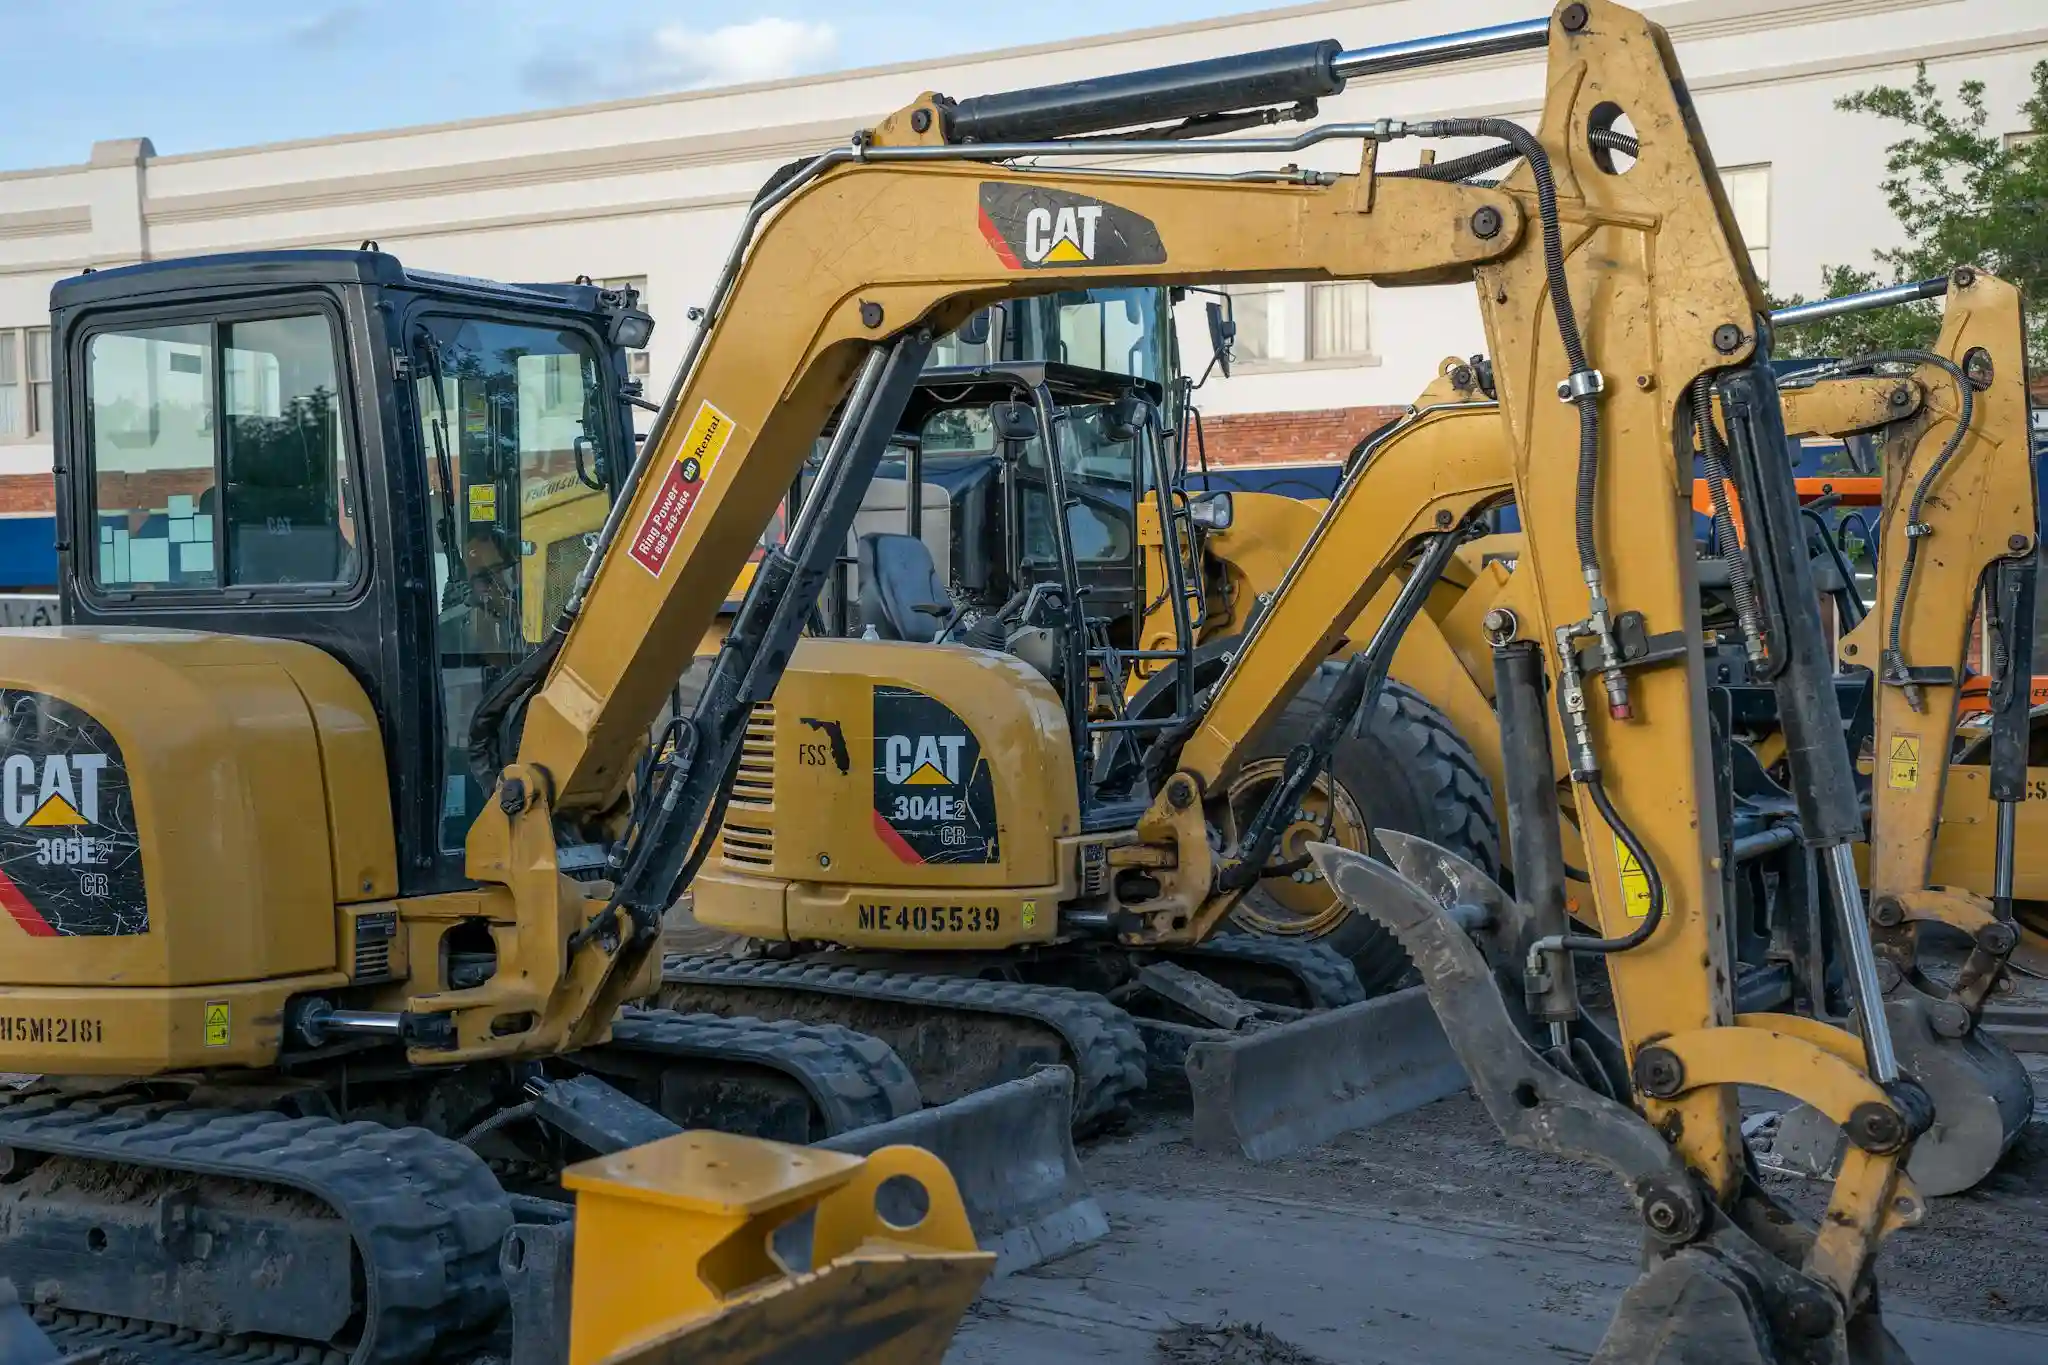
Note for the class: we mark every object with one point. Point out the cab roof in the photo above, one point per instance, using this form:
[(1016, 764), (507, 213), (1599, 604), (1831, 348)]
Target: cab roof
[(271, 269)]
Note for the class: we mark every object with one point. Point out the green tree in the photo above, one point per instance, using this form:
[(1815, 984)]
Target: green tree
[(1964, 194)]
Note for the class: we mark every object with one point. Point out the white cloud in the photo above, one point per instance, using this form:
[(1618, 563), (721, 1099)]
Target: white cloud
[(685, 58)]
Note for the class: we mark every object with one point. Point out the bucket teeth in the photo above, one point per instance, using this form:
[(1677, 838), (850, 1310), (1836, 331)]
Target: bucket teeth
[(1406, 907), (1444, 877)]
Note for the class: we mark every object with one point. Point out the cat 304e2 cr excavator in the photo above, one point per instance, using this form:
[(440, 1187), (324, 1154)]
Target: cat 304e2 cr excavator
[(283, 981)]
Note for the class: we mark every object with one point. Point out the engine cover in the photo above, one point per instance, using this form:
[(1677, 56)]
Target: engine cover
[(180, 814), (899, 794)]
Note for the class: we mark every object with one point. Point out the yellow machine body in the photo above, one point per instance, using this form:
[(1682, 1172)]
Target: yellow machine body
[(903, 796), (673, 1257), (203, 805)]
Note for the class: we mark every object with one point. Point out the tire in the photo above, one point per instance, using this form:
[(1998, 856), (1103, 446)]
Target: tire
[(1403, 766)]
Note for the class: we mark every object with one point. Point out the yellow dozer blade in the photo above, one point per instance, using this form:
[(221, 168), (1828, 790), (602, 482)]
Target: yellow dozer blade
[(677, 1255)]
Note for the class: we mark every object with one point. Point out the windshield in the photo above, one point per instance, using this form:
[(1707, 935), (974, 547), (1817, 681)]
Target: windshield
[(1118, 331)]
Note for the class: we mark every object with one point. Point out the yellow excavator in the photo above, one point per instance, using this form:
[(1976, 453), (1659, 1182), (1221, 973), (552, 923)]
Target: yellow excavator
[(290, 931), (1188, 861), (1972, 511)]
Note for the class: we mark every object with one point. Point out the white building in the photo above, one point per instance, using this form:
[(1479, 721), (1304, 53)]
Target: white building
[(652, 189)]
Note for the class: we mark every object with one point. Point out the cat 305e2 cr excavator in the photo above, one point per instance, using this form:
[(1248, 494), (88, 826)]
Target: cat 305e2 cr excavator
[(271, 1015)]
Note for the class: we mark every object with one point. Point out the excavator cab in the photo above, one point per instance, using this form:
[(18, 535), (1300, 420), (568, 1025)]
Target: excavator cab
[(246, 476)]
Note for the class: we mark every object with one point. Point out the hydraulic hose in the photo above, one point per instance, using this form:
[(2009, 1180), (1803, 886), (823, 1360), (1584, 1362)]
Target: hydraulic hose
[(1740, 585), (1582, 391), (1893, 663), (1653, 914), (1531, 150), (1461, 168)]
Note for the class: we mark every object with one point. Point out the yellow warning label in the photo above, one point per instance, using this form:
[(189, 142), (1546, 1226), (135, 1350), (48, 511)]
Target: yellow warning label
[(1635, 883), (55, 811), (483, 502), (706, 441), (217, 1026), (1905, 763), (1030, 914)]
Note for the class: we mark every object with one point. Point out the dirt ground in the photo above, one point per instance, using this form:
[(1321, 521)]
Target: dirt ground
[(1428, 1239)]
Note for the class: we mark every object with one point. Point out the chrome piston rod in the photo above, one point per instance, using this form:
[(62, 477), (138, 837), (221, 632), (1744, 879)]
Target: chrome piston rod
[(1869, 1001), (1892, 295), (1441, 49)]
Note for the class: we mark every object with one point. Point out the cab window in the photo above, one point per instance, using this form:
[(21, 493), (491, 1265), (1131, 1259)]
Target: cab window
[(512, 429), (1100, 476), (219, 457)]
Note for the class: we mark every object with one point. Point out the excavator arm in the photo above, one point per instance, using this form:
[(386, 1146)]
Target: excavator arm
[(896, 238), (1959, 509)]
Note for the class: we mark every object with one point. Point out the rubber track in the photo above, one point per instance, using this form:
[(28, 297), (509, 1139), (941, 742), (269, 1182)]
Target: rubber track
[(853, 1080), (426, 1214), (1326, 976), (1107, 1054)]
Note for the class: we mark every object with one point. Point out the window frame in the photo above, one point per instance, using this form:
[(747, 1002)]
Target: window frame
[(1295, 339), (1323, 289), (33, 432), (84, 468)]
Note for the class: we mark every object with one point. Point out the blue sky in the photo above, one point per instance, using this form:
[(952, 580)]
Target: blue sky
[(198, 74)]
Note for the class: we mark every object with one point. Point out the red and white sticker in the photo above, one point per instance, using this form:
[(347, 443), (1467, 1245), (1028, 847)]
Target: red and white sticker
[(652, 544)]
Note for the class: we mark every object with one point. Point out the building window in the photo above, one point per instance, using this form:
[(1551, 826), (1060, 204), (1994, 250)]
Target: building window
[(1339, 320), (1749, 194), (24, 383), (1260, 312)]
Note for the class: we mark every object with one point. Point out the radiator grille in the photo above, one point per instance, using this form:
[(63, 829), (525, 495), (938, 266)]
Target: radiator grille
[(746, 838), (374, 933)]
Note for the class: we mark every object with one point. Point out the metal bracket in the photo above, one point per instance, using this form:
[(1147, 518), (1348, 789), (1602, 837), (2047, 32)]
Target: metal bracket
[(1639, 648)]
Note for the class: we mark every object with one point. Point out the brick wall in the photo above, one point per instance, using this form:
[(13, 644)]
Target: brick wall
[(27, 493), (34, 493), (1291, 437)]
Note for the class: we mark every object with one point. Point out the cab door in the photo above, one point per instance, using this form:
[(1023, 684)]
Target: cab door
[(516, 432)]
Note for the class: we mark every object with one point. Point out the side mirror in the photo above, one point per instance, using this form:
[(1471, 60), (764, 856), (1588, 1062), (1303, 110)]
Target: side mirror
[(1222, 335), (974, 331), (1134, 312), (1211, 511), (1013, 421)]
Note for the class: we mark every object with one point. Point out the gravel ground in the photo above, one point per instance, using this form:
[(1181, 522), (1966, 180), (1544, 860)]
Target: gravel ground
[(1428, 1239)]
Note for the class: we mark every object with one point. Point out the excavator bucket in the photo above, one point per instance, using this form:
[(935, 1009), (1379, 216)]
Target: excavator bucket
[(676, 1255), (1712, 1289)]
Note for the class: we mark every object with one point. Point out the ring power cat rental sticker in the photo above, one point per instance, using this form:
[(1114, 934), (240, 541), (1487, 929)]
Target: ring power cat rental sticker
[(1044, 229), (70, 861), (1904, 765), (935, 799), (710, 432)]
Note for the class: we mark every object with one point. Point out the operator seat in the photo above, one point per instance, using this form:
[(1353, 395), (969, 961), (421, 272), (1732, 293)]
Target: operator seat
[(900, 592)]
